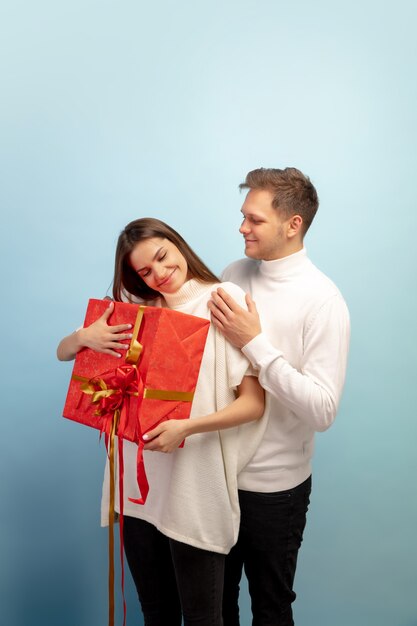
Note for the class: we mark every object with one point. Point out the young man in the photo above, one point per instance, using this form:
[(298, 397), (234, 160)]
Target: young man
[(296, 337)]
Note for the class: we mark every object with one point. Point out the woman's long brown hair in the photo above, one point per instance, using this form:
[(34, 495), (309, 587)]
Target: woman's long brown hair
[(127, 282)]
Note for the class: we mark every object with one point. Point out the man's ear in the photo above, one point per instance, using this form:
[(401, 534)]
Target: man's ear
[(295, 224)]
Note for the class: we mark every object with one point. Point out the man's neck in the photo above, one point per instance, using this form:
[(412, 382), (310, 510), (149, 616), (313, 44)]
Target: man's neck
[(288, 250)]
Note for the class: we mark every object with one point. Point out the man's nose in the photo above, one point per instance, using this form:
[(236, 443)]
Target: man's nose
[(244, 227)]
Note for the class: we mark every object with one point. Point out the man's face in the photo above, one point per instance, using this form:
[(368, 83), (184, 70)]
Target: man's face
[(263, 229)]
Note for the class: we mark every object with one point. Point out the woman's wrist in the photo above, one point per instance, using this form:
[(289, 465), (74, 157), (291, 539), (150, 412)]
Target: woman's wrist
[(80, 339), (203, 424), (188, 427)]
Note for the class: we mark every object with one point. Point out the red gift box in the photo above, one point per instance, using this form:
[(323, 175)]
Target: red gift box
[(154, 382)]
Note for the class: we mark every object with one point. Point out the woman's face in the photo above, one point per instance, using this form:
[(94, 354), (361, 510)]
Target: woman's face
[(160, 264)]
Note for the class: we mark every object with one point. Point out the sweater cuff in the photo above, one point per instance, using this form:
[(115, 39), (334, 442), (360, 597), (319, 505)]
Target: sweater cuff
[(260, 351)]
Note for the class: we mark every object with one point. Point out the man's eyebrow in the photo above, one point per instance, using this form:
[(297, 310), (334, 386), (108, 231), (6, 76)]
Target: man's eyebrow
[(250, 214), (153, 259)]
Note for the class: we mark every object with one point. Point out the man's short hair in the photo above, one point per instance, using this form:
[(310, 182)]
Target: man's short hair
[(294, 193)]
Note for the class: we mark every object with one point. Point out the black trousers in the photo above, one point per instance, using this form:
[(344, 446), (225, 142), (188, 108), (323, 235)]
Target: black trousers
[(271, 532), (173, 580)]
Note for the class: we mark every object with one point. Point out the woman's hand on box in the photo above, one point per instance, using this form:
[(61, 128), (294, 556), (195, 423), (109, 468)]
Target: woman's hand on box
[(101, 337), (167, 436)]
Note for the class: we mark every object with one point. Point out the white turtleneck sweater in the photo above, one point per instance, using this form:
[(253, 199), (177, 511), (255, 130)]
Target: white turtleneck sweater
[(301, 359), (193, 491)]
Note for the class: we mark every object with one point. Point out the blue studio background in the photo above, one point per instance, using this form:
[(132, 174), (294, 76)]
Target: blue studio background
[(116, 110)]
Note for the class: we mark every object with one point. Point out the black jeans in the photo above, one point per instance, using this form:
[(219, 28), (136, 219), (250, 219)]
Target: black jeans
[(271, 532), (173, 579)]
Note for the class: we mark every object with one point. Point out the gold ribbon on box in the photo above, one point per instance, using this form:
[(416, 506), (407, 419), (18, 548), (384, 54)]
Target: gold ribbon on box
[(111, 392)]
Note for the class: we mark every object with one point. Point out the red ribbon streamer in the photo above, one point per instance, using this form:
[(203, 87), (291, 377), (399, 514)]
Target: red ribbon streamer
[(111, 391)]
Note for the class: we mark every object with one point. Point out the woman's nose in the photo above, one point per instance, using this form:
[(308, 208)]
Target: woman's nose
[(158, 272)]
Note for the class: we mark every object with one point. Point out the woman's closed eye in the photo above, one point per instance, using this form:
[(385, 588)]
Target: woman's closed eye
[(145, 271)]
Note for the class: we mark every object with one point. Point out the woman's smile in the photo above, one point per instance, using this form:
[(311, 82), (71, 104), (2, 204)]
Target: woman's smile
[(167, 279)]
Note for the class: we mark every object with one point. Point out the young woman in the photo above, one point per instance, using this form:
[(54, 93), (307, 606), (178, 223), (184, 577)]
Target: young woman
[(176, 542)]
